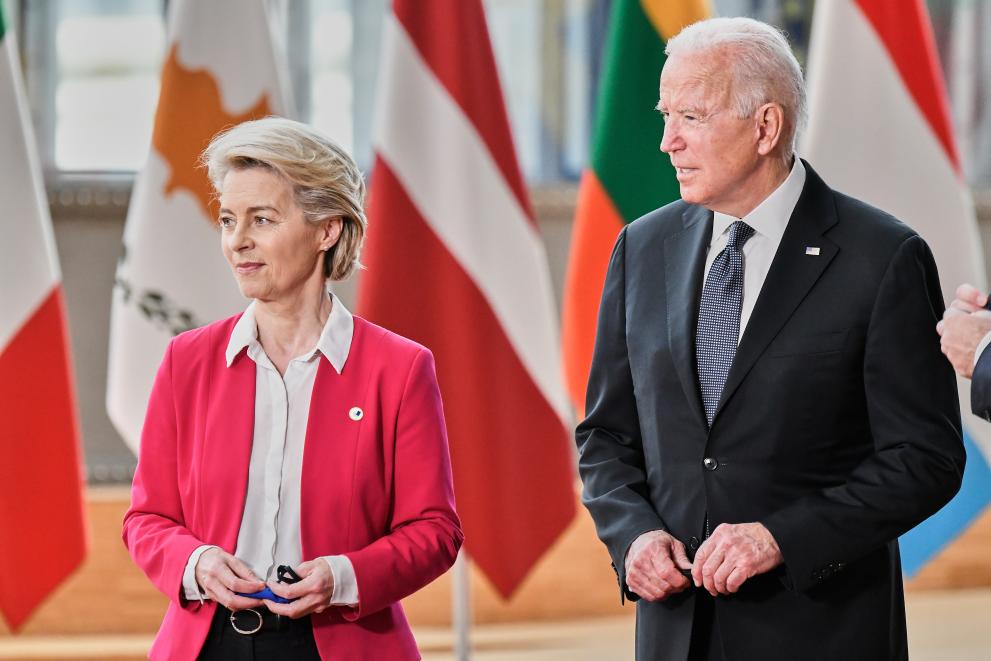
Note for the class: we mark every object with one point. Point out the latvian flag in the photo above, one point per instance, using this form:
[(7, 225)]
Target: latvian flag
[(455, 261)]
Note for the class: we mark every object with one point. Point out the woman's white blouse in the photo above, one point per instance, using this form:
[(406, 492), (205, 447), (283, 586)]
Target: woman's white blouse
[(269, 533)]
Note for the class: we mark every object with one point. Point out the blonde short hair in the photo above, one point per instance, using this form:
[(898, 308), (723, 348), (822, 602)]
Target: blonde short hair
[(325, 180)]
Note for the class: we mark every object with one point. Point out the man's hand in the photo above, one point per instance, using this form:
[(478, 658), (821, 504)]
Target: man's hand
[(964, 325), (653, 565), (220, 575), (734, 553), (312, 594)]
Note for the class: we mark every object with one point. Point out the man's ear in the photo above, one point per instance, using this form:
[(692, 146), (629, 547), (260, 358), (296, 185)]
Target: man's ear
[(770, 119)]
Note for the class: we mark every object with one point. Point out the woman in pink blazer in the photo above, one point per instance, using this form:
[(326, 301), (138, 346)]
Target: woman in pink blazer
[(294, 435)]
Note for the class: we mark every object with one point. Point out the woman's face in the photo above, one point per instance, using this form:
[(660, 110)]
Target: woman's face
[(270, 246)]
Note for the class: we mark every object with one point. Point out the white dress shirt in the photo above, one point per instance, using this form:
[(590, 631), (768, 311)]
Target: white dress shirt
[(270, 525), (769, 220)]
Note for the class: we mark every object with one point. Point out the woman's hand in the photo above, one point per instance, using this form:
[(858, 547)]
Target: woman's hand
[(221, 575), (312, 594)]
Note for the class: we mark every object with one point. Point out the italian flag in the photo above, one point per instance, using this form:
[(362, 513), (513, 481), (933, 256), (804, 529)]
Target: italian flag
[(455, 261), (628, 175), (42, 530), (880, 131)]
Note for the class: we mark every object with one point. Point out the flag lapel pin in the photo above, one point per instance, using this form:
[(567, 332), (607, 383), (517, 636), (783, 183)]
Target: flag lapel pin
[(812, 250)]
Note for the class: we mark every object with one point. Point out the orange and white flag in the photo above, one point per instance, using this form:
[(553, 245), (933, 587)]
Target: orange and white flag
[(42, 529), (221, 69)]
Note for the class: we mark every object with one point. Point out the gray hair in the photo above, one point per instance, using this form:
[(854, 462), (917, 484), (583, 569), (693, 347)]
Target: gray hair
[(324, 178), (763, 66)]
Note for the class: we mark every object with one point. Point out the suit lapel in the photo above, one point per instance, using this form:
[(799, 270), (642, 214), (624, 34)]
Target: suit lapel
[(337, 412), (227, 448), (791, 276), (684, 259)]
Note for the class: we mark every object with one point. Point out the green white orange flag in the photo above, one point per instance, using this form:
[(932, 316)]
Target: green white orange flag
[(628, 175), (880, 130), (42, 528), (221, 69)]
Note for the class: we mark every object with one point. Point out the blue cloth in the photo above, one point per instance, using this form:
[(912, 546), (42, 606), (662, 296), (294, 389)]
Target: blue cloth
[(719, 317)]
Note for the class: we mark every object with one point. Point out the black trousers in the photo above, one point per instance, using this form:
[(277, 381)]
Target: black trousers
[(706, 644), (223, 643)]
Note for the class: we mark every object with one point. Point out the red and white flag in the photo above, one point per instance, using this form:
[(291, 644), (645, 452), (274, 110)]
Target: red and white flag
[(42, 527), (455, 261)]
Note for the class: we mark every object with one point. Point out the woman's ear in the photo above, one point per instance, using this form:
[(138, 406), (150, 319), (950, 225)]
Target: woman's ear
[(332, 226)]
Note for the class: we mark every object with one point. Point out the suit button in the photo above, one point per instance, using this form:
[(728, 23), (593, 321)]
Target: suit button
[(710, 463), (693, 543)]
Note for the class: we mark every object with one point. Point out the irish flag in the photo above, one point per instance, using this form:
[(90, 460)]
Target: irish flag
[(455, 261), (42, 530), (220, 70), (880, 131), (628, 175)]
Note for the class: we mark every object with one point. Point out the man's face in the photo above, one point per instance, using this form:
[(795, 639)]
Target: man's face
[(714, 151)]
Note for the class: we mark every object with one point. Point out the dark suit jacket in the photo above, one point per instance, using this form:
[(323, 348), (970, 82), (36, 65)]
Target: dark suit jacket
[(838, 428), (980, 387)]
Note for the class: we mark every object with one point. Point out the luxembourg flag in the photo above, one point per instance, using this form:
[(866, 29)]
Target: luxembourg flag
[(880, 131), (42, 529)]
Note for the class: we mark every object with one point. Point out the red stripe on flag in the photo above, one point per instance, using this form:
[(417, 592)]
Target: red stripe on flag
[(440, 30), (510, 451), (905, 30), (41, 509)]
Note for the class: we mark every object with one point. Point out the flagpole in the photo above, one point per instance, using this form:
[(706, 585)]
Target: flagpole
[(461, 607)]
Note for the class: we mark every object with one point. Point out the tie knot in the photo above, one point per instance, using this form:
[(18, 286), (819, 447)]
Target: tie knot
[(739, 233)]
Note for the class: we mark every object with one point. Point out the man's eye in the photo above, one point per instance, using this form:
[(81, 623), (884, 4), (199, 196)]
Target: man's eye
[(262, 220), (226, 221), (690, 118)]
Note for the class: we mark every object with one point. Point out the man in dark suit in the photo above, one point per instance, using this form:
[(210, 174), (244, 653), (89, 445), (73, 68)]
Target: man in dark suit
[(767, 408), (965, 334)]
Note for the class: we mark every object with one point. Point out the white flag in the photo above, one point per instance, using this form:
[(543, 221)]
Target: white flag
[(221, 69)]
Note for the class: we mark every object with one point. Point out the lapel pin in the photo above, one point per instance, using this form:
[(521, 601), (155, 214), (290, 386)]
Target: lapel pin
[(812, 250), (356, 413)]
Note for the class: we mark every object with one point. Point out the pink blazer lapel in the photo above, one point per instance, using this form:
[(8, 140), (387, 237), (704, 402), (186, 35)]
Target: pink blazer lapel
[(226, 448), (338, 411)]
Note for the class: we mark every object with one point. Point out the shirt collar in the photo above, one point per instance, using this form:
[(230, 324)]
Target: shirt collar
[(334, 343), (770, 217)]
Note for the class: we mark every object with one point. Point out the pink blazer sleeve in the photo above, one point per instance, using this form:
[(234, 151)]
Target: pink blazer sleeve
[(425, 533), (155, 532)]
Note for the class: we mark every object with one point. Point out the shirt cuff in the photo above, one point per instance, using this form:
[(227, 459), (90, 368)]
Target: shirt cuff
[(345, 582), (981, 346), (190, 588)]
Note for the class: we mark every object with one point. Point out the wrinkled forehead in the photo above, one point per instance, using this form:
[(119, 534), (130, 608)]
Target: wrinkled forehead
[(700, 78)]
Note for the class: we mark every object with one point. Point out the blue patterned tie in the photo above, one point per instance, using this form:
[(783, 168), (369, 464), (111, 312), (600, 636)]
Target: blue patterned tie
[(719, 317)]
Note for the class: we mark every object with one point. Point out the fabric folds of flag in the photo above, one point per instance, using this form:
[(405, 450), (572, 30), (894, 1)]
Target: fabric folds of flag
[(455, 261), (880, 130), (43, 535), (627, 175), (221, 69)]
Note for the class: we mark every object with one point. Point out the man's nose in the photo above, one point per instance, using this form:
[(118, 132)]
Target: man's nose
[(670, 140)]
